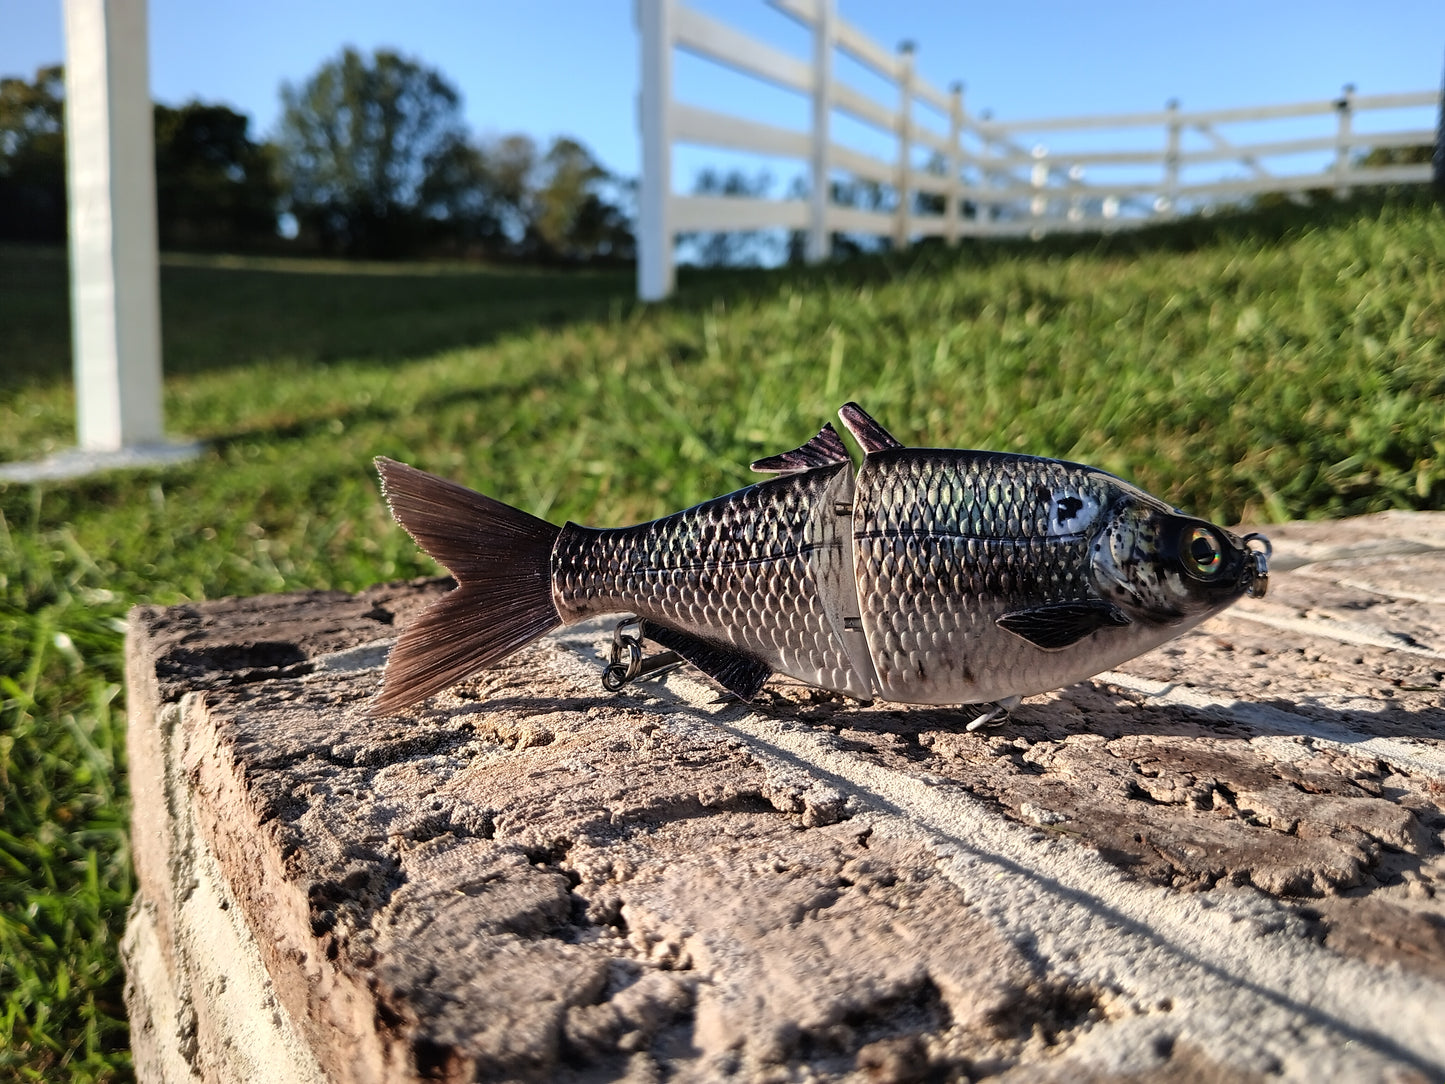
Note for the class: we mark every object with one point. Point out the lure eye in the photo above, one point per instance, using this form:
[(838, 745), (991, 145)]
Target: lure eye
[(1203, 552)]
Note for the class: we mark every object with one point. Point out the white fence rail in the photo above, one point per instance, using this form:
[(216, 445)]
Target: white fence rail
[(984, 177)]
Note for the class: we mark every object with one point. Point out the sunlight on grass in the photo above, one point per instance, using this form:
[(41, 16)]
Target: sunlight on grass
[(1264, 368)]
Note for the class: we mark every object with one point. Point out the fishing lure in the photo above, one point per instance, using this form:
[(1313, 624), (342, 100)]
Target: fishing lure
[(931, 576)]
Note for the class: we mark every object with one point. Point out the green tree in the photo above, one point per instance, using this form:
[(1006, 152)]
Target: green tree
[(1420, 154), (458, 205), (506, 200), (573, 218), (215, 186), (32, 157), (365, 148), (509, 175)]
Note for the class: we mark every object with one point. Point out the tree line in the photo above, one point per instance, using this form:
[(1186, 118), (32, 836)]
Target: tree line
[(371, 158)]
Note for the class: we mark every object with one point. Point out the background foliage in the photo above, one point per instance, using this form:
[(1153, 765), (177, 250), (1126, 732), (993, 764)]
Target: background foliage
[(370, 159), (1252, 367), (32, 157)]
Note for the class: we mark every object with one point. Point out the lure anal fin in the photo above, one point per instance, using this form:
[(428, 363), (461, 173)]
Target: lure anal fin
[(738, 673), (1056, 625)]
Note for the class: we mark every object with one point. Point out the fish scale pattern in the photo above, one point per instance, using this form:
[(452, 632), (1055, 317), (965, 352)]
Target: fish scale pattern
[(756, 570), (937, 576), (947, 542)]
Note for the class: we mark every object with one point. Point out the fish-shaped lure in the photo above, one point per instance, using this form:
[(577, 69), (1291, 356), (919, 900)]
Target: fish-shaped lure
[(933, 576)]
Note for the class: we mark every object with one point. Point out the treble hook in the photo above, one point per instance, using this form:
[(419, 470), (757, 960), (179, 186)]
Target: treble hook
[(1259, 570), (627, 637)]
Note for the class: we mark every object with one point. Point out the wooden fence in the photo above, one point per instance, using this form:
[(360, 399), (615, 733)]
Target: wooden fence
[(981, 177)]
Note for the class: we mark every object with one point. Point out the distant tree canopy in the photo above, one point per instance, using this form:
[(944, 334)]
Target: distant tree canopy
[(215, 186), (573, 219), (557, 206), (375, 160), (504, 199), (371, 157), (1397, 156), (32, 157), (361, 142)]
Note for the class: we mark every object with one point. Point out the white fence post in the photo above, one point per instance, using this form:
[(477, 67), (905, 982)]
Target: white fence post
[(953, 213), (820, 238), (905, 143), (655, 273), (1076, 201), (1039, 179), (986, 174), (1168, 205), (114, 276), (1344, 108)]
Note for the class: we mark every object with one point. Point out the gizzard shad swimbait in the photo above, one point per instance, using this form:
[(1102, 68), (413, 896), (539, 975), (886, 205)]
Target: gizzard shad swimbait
[(932, 576)]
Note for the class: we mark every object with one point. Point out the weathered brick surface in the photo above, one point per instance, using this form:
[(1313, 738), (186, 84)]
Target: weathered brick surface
[(1223, 861)]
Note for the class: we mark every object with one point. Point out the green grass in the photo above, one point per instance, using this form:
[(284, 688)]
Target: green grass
[(1268, 367)]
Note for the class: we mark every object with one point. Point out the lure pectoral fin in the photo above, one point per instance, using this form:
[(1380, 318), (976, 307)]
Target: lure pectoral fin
[(501, 558), (1056, 625)]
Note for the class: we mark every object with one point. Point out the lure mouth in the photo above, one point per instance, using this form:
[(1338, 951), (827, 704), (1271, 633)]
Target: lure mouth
[(1256, 565)]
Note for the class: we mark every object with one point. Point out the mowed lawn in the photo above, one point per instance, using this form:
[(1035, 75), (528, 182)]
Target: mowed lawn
[(1286, 364)]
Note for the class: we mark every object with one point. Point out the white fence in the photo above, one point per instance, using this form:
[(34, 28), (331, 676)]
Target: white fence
[(986, 178)]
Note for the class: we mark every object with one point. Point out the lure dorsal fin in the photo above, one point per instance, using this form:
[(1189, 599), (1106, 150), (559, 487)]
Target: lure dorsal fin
[(738, 673), (1056, 625), (872, 436), (824, 450)]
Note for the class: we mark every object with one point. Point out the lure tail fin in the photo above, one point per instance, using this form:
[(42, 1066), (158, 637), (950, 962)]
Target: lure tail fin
[(502, 560)]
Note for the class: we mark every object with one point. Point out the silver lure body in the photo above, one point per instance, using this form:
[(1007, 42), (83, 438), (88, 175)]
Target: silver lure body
[(889, 586), (932, 576)]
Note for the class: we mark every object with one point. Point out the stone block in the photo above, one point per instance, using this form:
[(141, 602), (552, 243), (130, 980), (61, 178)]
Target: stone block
[(1221, 862)]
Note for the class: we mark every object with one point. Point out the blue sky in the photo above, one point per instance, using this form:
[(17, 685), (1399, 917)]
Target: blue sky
[(549, 67)]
